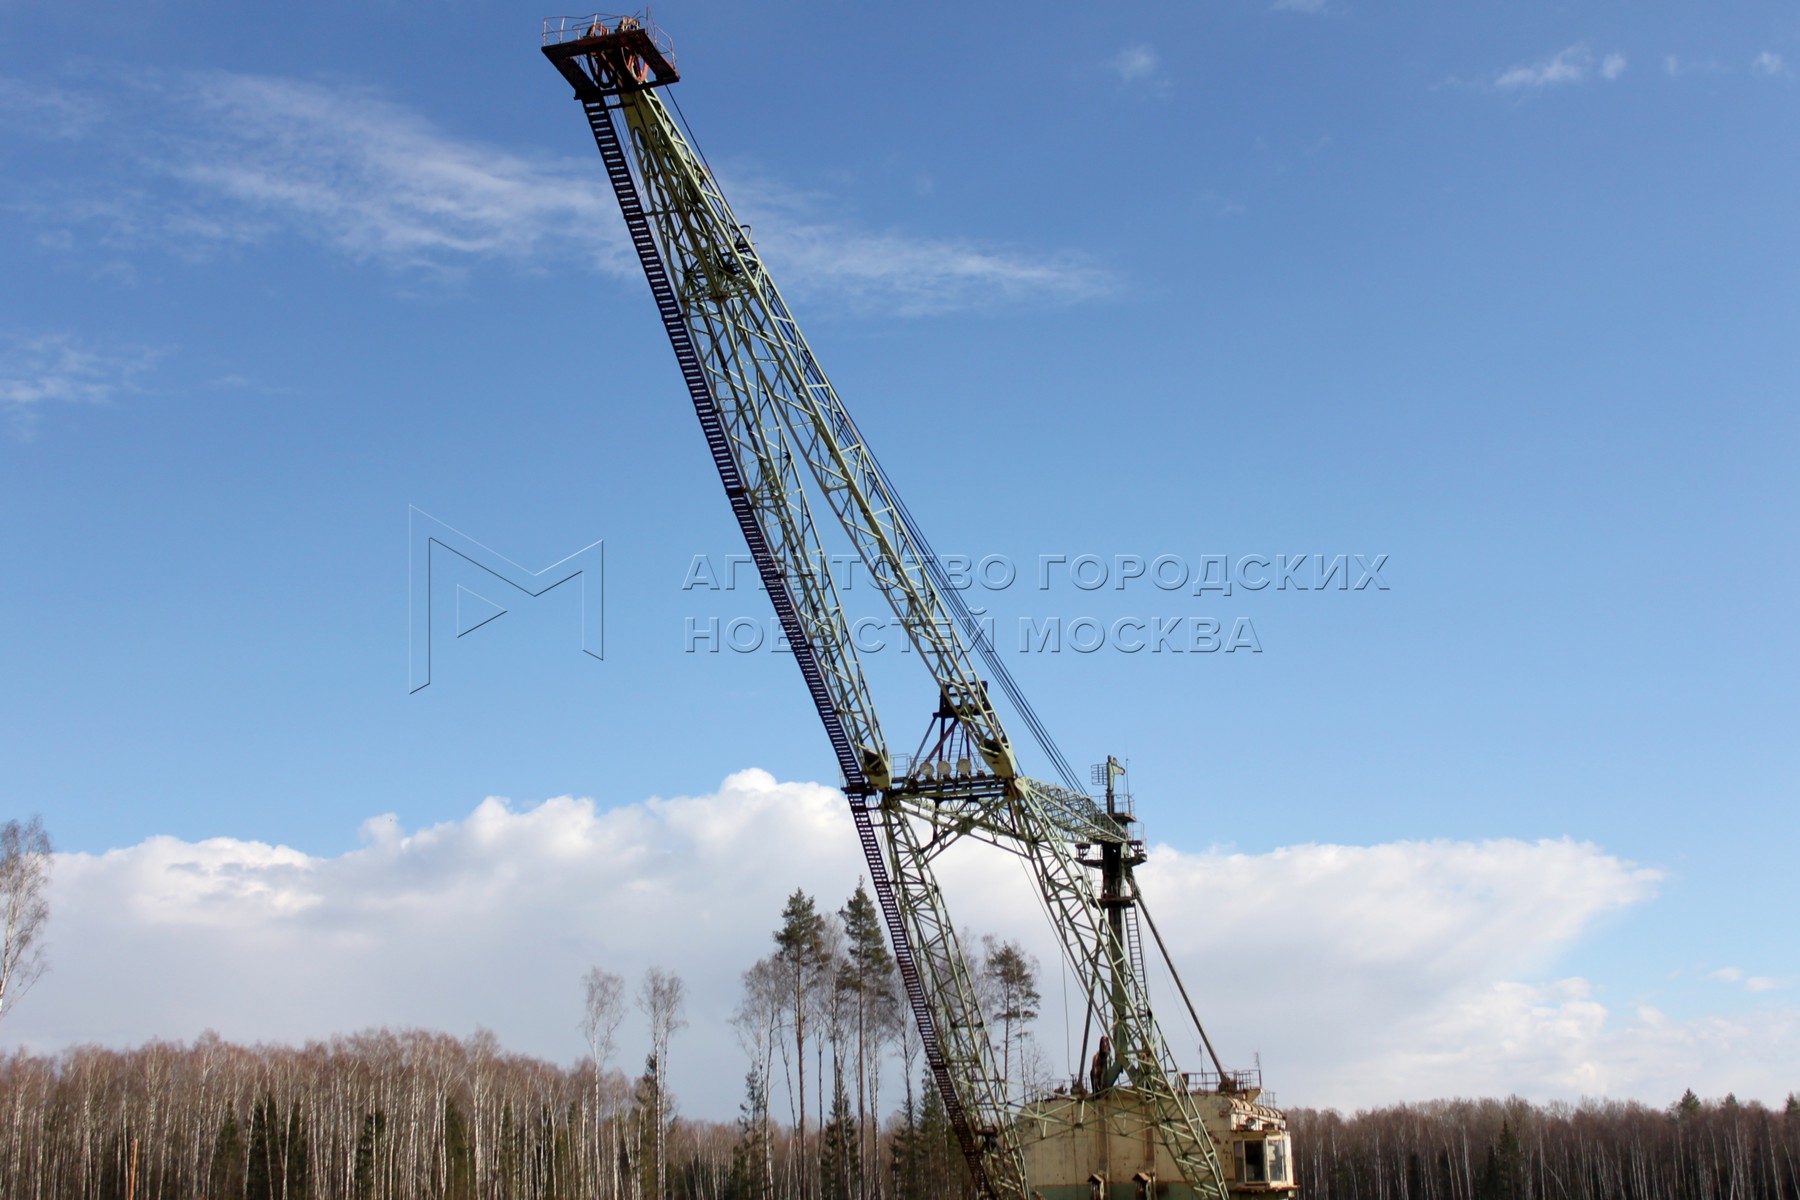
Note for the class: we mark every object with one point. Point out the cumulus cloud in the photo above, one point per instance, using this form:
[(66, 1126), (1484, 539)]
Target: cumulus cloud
[(1769, 63), (1576, 64), (1363, 974), (228, 160)]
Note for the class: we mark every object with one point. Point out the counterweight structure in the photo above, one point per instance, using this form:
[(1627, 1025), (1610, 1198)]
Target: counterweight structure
[(773, 423)]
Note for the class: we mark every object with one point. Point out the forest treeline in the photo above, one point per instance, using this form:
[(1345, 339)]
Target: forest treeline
[(417, 1115), (1512, 1150), (413, 1115), (387, 1115)]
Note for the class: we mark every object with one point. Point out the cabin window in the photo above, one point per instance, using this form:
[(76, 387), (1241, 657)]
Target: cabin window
[(1250, 1162), (1278, 1171)]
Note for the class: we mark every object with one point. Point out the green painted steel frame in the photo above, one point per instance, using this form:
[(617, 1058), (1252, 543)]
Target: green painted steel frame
[(781, 414)]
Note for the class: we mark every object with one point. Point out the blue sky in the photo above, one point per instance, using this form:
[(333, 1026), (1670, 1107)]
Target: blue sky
[(1505, 293)]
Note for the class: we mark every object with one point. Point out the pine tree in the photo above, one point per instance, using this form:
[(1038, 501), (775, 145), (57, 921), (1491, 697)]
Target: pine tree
[(259, 1181), (939, 1170), (368, 1146), (904, 1151), (840, 1165), (647, 1104), (923, 1145), (867, 977), (1011, 975), (1487, 1184), (459, 1155), (225, 1178), (294, 1157), (510, 1163), (801, 952), (750, 1156), (1512, 1164)]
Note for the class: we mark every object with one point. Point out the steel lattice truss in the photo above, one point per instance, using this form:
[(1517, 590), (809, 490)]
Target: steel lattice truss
[(773, 421)]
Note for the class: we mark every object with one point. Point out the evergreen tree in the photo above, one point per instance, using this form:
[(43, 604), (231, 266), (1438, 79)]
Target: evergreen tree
[(293, 1157), (926, 1161), (459, 1156), (1487, 1184), (939, 1161), (1011, 976), (750, 1156), (1512, 1164), (509, 1162), (1793, 1106), (1688, 1105), (840, 1166), (647, 1103), (368, 1146), (867, 979), (803, 956), (259, 1174), (561, 1166), (904, 1152), (226, 1176)]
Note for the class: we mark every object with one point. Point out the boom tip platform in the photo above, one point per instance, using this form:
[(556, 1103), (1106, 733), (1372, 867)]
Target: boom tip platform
[(603, 55)]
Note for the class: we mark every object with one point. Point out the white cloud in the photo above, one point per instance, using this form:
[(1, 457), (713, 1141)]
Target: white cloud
[(1576, 64), (254, 157), (871, 270), (379, 182), (45, 110), (57, 368), (1363, 974), (1769, 63), (1675, 65), (1569, 66), (1755, 984), (1133, 63)]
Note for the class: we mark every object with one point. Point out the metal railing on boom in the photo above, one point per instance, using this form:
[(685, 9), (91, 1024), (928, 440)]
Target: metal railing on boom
[(558, 30)]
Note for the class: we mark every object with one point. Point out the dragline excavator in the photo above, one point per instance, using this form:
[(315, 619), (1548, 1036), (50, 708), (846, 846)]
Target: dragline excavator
[(1130, 1122)]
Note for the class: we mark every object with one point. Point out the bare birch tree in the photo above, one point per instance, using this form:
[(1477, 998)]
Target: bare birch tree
[(660, 998), (24, 874), (601, 1016)]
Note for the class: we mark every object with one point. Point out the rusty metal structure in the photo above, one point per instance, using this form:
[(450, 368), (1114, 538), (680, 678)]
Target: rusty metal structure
[(781, 439)]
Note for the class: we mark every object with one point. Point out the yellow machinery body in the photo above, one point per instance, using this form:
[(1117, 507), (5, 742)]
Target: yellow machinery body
[(1108, 1147)]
